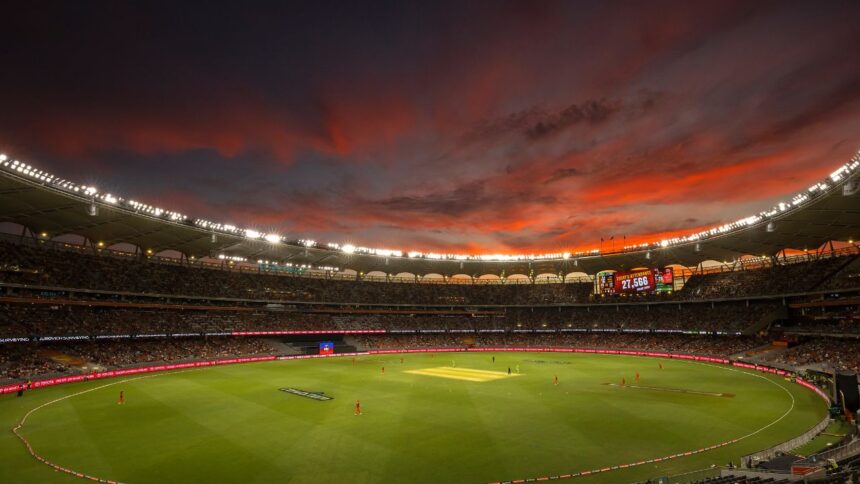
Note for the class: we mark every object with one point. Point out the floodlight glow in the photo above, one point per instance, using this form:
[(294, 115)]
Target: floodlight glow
[(273, 238), (348, 248)]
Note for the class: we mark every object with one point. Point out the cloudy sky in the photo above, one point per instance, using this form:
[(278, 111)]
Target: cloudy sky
[(466, 127)]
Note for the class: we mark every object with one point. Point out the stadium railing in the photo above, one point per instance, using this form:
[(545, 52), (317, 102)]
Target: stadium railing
[(786, 446), (843, 452)]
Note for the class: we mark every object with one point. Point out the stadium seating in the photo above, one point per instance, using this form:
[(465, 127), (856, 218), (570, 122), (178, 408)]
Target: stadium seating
[(83, 269), (80, 298)]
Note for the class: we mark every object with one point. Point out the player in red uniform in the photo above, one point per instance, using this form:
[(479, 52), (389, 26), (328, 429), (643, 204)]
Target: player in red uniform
[(383, 370), (121, 398), (637, 377), (623, 381), (357, 407), (661, 365)]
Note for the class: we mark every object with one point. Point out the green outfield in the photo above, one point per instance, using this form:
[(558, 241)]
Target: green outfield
[(448, 417)]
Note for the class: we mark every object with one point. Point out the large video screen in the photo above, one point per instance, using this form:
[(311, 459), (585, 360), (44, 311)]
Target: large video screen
[(636, 282)]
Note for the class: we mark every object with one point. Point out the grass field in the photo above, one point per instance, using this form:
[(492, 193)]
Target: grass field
[(442, 418)]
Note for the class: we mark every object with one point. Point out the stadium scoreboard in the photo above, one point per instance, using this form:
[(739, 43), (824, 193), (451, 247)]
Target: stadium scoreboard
[(637, 281)]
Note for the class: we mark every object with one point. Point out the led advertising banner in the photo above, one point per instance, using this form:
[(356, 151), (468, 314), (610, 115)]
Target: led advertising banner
[(605, 282), (664, 279)]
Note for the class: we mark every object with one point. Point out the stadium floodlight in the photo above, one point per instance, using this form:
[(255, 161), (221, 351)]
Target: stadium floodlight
[(3, 157), (273, 238), (348, 248), (252, 234)]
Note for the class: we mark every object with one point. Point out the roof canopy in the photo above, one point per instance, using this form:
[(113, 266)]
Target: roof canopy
[(833, 214)]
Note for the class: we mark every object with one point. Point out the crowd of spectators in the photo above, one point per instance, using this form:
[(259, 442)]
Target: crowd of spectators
[(25, 361), (828, 324), (827, 353), (50, 267), (85, 269), (20, 362), (847, 278), (674, 343), (776, 279), (38, 320)]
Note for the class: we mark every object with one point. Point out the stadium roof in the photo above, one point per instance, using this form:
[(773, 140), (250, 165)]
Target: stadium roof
[(828, 211)]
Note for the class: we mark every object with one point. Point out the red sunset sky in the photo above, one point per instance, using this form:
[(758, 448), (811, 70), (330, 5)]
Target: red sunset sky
[(460, 127)]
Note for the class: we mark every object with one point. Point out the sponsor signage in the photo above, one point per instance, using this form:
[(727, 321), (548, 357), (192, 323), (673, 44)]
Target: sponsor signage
[(318, 396)]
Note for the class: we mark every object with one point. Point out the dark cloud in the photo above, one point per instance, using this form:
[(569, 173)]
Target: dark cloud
[(464, 199), (591, 112), (563, 173)]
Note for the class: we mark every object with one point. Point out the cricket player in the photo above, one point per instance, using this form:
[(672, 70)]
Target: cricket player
[(121, 398), (357, 407)]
